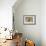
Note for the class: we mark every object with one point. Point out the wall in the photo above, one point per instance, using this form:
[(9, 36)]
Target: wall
[(6, 13), (43, 22), (6, 16), (28, 7)]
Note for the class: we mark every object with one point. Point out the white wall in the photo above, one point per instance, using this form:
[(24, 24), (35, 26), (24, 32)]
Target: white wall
[(29, 7), (43, 22), (35, 32), (6, 13)]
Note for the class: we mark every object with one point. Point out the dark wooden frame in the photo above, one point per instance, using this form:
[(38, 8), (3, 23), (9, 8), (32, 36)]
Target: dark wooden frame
[(30, 16)]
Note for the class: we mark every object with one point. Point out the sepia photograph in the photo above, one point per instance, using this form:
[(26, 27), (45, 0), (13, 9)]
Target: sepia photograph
[(29, 19)]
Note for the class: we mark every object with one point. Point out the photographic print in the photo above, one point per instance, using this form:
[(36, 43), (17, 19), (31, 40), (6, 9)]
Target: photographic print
[(29, 19)]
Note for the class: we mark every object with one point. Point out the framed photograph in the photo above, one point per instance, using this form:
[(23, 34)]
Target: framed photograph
[(29, 19)]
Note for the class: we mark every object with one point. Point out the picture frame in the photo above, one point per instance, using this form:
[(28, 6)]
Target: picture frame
[(29, 19)]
